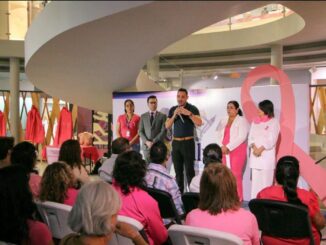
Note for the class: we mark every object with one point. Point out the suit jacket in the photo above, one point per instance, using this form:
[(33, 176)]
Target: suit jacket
[(153, 133)]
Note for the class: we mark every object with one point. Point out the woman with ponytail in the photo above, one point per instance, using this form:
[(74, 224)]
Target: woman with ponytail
[(232, 134), (287, 173), (212, 154)]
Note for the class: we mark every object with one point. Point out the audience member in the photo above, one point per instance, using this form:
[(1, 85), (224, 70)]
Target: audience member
[(17, 210), (219, 206), (6, 145), (119, 146), (25, 154), (58, 183), (158, 177), (94, 217), (70, 153), (212, 154), (287, 173), (129, 181)]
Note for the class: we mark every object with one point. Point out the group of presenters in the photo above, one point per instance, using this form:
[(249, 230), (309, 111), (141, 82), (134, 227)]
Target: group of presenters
[(238, 140)]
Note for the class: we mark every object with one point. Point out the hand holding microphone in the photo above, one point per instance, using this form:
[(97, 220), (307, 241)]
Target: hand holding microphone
[(178, 112)]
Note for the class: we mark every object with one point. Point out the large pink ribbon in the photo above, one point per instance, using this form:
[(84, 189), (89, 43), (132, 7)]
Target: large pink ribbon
[(312, 173)]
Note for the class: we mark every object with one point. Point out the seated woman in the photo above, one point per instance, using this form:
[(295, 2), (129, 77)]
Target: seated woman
[(70, 153), (25, 155), (287, 173), (94, 217), (57, 184), (212, 154), (17, 210), (219, 206), (129, 181)]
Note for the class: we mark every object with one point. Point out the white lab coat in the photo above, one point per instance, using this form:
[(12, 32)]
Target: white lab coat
[(264, 134), (238, 132)]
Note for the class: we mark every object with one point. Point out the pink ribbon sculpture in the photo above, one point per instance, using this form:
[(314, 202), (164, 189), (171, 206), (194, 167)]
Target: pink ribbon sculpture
[(312, 173)]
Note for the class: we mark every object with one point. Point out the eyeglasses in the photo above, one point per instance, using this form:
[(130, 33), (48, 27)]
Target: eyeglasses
[(152, 102)]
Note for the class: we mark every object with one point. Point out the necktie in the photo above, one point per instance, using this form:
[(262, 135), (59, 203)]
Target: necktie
[(152, 118)]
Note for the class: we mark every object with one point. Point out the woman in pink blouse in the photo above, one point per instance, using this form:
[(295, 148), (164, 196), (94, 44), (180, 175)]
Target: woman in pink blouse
[(17, 210), (287, 173), (25, 155), (127, 125), (58, 184), (219, 206), (129, 181)]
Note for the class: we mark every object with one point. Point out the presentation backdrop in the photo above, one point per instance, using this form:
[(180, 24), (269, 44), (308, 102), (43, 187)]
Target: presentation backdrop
[(212, 106)]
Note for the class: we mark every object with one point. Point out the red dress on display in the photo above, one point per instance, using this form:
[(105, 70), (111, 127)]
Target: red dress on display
[(2, 124), (34, 127), (64, 128)]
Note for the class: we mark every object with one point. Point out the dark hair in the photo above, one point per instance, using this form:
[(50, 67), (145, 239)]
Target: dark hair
[(183, 90), (151, 97), (267, 107), (70, 153), (287, 173), (125, 103), (56, 180), (6, 144), (120, 145), (237, 106), (24, 154), (16, 206), (212, 154), (158, 152), (218, 190), (129, 171)]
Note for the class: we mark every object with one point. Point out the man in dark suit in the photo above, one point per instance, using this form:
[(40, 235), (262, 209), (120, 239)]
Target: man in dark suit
[(151, 126)]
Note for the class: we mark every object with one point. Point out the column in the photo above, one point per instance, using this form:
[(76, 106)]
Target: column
[(14, 99), (276, 59)]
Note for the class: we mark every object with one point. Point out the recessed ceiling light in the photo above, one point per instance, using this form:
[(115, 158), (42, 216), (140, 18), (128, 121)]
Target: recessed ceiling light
[(215, 77)]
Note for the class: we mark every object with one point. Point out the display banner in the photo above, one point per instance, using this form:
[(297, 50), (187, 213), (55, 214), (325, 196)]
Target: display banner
[(212, 106)]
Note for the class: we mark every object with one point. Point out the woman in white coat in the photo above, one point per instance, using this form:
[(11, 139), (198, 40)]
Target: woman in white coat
[(262, 141), (232, 137)]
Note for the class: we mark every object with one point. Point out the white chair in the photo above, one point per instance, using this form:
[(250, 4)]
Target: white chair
[(55, 215), (120, 240), (52, 154), (189, 235)]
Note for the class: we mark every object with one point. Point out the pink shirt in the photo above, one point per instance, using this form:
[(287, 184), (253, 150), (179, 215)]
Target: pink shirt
[(39, 233), (131, 126), (71, 197), (308, 198), (241, 223), (139, 205), (35, 184)]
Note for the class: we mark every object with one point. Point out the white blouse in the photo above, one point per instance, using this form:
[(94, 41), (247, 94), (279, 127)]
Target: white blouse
[(264, 134), (238, 132)]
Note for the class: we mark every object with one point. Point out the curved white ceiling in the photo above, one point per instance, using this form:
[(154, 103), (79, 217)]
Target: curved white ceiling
[(83, 51), (84, 63)]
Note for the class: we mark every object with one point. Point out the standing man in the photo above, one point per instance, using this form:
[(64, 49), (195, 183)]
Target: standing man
[(185, 117), (151, 126)]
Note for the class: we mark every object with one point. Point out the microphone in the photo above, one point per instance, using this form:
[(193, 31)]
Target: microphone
[(181, 116)]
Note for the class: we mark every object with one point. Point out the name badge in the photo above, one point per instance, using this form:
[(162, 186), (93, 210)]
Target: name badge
[(128, 133)]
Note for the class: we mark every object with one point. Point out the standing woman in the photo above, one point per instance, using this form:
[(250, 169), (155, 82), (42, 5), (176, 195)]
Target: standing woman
[(127, 125), (232, 136), (262, 141)]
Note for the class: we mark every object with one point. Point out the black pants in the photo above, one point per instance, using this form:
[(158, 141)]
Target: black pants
[(183, 154)]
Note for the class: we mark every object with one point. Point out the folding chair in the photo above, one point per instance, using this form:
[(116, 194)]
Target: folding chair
[(55, 215), (282, 219), (189, 235), (190, 201), (166, 204)]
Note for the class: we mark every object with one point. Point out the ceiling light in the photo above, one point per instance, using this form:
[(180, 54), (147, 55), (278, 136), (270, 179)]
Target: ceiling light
[(215, 77)]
